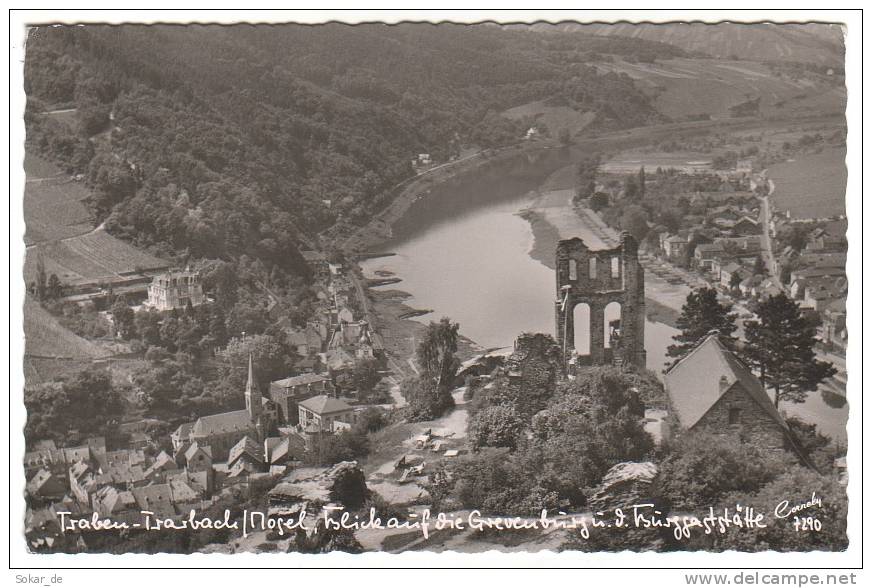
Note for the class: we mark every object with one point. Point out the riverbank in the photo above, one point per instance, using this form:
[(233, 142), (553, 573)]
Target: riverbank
[(549, 224), (390, 316), (553, 216), (400, 335), (380, 228)]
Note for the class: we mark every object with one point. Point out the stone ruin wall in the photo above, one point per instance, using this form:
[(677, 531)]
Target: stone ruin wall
[(598, 278)]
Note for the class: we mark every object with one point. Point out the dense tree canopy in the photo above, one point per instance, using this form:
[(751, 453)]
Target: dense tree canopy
[(780, 346), (702, 469), (702, 314), (86, 402), (553, 458), (240, 140)]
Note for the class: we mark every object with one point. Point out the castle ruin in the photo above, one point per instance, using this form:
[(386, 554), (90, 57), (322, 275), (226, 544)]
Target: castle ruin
[(598, 278)]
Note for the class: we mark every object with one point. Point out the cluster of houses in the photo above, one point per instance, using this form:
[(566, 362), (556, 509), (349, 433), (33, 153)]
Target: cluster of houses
[(730, 217), (215, 452), (815, 274), (89, 480), (726, 247), (732, 262), (209, 456), (336, 337)]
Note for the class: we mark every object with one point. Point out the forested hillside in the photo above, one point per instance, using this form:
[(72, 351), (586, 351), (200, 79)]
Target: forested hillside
[(223, 141), (809, 43)]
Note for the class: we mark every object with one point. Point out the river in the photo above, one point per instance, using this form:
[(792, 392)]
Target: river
[(463, 251)]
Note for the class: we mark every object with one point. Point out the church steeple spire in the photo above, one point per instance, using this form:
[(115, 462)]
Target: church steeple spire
[(252, 393)]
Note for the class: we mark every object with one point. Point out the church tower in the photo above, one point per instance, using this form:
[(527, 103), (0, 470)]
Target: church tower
[(253, 402)]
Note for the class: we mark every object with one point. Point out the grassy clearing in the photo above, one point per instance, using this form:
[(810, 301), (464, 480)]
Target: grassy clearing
[(35, 167), (54, 209), (38, 370), (684, 87), (813, 185), (45, 337)]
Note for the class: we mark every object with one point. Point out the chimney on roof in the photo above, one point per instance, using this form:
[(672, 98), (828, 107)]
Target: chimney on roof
[(723, 384)]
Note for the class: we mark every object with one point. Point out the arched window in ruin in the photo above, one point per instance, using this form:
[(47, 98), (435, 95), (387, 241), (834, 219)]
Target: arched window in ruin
[(612, 323), (581, 318)]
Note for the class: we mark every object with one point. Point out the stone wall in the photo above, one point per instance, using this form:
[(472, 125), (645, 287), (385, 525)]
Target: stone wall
[(754, 425), (535, 363), (598, 278)]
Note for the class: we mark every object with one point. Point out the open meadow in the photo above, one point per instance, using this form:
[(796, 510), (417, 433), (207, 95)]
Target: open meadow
[(54, 205), (91, 258), (812, 186), (701, 87)]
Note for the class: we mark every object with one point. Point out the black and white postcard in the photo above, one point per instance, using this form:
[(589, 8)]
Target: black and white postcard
[(518, 284)]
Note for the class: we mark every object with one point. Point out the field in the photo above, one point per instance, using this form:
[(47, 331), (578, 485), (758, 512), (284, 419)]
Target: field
[(59, 229), (813, 186), (35, 167), (46, 338), (630, 161), (553, 117), (91, 258), (685, 87), (813, 43), (53, 203), (53, 209)]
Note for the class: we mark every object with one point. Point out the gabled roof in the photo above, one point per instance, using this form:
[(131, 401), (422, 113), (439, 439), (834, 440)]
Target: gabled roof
[(44, 480), (245, 446), (79, 468), (301, 380), (182, 491), (109, 500), (122, 456), (184, 430), (280, 451), (818, 272), (198, 481), (162, 462), (225, 422), (323, 404), (822, 289), (194, 448), (73, 454), (122, 474), (694, 383), (157, 498), (710, 247), (731, 267)]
